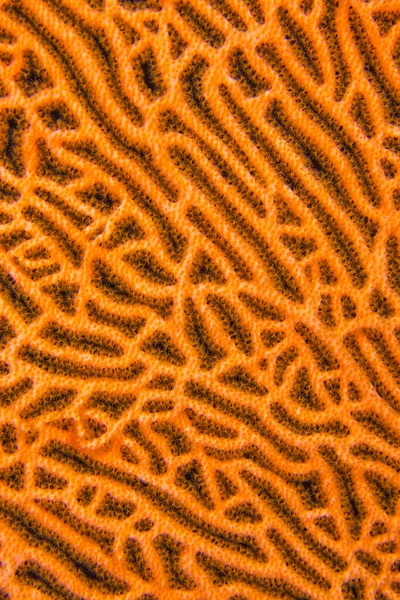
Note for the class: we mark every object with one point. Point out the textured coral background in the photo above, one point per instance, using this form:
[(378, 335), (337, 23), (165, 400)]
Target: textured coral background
[(199, 299)]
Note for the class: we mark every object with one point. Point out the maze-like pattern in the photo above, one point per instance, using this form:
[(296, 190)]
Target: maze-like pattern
[(199, 299)]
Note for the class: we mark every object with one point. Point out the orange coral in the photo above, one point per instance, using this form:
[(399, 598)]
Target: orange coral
[(199, 299)]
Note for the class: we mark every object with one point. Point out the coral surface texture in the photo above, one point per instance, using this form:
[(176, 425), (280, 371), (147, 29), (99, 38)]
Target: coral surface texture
[(199, 299)]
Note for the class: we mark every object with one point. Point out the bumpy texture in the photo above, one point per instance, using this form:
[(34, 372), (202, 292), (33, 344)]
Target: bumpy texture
[(199, 299)]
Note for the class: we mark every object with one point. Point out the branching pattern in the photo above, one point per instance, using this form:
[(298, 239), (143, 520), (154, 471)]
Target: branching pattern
[(199, 299)]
